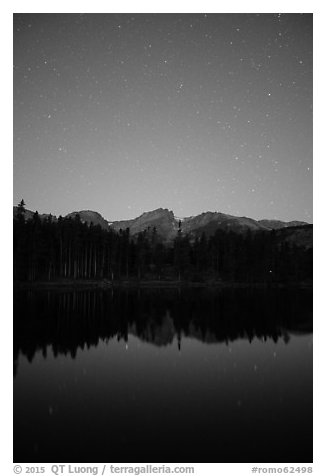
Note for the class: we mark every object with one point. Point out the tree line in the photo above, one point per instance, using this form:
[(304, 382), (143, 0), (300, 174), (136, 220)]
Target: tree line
[(67, 248)]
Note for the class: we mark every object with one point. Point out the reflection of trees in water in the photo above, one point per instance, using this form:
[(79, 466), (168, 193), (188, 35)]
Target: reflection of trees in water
[(68, 320)]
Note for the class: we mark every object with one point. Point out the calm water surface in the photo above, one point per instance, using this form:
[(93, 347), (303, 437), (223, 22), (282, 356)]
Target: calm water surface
[(163, 376)]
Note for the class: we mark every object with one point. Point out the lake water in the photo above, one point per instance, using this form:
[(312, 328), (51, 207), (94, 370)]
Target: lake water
[(163, 375)]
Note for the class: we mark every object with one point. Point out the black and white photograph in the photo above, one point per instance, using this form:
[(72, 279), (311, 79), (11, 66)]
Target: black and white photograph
[(162, 239)]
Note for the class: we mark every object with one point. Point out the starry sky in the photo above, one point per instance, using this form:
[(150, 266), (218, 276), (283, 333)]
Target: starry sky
[(125, 113)]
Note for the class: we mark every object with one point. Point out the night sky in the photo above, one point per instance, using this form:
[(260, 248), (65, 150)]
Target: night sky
[(125, 113)]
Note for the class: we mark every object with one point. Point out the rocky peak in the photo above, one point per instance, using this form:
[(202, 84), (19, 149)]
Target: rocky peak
[(89, 216)]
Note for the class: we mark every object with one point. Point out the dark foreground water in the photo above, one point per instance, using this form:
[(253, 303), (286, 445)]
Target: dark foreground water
[(163, 376)]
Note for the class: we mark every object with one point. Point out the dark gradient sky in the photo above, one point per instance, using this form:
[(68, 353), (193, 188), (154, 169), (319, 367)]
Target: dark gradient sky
[(124, 113)]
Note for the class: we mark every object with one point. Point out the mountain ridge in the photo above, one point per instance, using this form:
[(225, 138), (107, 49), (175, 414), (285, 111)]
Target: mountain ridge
[(167, 225)]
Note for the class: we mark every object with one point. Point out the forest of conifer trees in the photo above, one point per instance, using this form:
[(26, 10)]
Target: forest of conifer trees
[(67, 249)]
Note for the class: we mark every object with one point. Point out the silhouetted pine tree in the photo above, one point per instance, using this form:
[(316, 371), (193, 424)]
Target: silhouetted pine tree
[(48, 249)]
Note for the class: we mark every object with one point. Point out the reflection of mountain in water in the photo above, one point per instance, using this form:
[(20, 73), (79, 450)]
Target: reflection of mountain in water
[(158, 333), (68, 320)]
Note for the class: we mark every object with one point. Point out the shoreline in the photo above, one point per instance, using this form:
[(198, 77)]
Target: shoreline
[(153, 284)]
